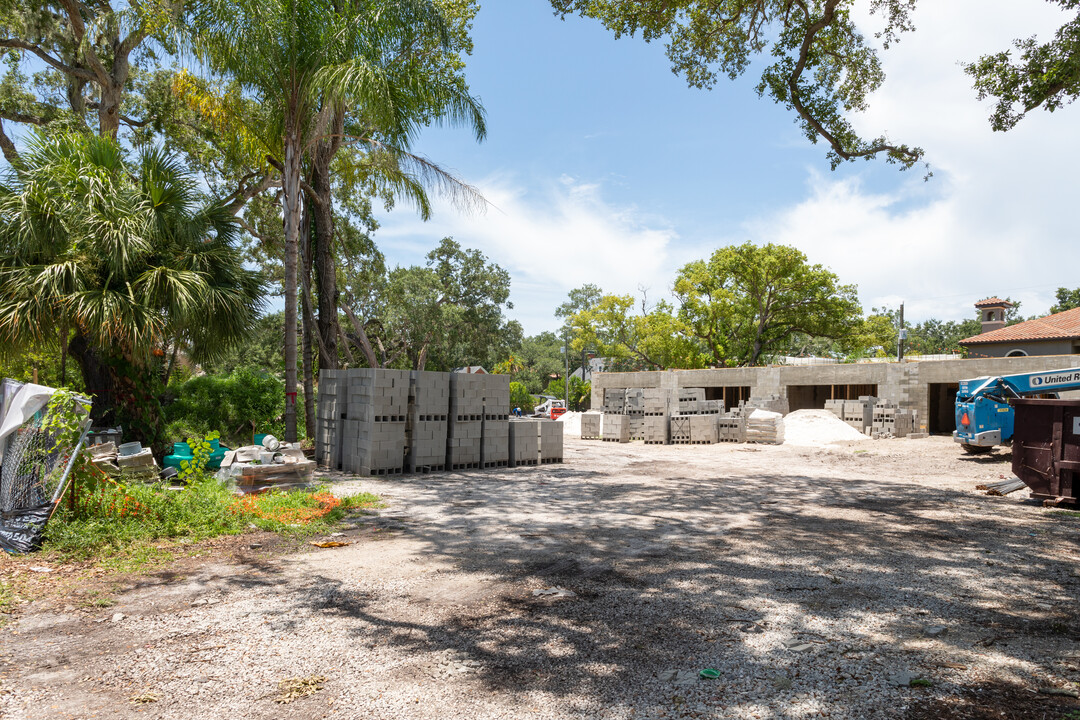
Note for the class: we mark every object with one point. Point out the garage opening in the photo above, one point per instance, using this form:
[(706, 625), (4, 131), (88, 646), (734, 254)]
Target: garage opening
[(731, 395), (941, 407), (813, 397)]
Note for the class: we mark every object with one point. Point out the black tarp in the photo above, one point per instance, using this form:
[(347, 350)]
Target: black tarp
[(21, 530)]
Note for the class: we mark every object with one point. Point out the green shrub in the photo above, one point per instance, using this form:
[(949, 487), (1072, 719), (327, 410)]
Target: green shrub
[(520, 398), (229, 404)]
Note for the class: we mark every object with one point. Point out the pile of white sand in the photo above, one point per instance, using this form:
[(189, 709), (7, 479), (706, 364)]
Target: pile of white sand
[(571, 424), (817, 428)]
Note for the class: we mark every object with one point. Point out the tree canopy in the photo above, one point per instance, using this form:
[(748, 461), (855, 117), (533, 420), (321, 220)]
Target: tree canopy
[(822, 68), (747, 301), (125, 252)]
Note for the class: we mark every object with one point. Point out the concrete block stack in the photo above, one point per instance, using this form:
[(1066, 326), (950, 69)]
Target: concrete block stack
[(464, 430), (329, 418), (765, 427), (373, 441), (836, 407), (859, 414), (429, 400), (590, 426), (551, 441), (680, 430), (731, 428), (659, 401), (703, 429), (495, 432), (616, 428), (614, 401), (656, 429), (701, 407), (770, 403), (524, 445), (892, 422), (635, 410)]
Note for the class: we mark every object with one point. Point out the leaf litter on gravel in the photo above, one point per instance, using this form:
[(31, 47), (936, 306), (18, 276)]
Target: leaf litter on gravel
[(296, 688)]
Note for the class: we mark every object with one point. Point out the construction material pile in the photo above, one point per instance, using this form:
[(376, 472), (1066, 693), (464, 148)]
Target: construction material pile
[(374, 421), (876, 418), (764, 427), (270, 466), (130, 463), (818, 428)]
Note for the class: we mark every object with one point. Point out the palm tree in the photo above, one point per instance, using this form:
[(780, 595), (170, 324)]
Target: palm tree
[(126, 254), (308, 59)]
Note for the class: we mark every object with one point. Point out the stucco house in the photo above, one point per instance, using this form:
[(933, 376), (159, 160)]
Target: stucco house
[(1057, 334)]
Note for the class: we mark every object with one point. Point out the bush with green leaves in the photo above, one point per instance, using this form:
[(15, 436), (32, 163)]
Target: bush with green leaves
[(520, 398), (234, 405)]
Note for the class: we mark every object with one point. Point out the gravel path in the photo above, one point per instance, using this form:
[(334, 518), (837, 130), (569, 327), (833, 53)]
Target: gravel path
[(818, 582)]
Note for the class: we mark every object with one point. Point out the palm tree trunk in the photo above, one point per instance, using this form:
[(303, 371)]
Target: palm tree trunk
[(324, 258), (307, 321), (290, 202)]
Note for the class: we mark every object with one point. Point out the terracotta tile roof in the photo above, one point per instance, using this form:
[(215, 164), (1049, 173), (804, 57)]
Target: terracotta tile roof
[(994, 301), (1059, 326)]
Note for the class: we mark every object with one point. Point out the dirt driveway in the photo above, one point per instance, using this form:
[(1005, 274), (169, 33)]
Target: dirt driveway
[(861, 581)]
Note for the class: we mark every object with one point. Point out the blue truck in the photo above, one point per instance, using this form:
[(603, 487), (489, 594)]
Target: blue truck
[(984, 415)]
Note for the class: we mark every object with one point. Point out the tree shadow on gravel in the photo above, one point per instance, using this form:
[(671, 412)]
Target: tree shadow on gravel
[(730, 571)]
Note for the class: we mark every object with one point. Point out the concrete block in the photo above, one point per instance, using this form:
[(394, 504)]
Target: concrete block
[(616, 428), (703, 429), (590, 426), (656, 429), (551, 441), (524, 442)]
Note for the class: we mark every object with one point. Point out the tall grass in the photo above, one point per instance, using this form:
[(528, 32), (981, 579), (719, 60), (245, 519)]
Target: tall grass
[(105, 517)]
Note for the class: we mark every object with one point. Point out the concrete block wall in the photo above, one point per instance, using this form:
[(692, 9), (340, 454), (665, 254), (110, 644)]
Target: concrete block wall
[(590, 426), (907, 384), (429, 403), (551, 441), (524, 438)]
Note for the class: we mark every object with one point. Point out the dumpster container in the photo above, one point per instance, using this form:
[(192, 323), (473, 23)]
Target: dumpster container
[(1046, 448)]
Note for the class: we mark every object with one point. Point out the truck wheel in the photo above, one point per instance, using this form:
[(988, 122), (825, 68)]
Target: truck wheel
[(977, 449)]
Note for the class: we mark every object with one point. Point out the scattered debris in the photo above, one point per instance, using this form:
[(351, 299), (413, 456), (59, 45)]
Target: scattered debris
[(117, 617), (903, 679), (1063, 692), (935, 631), (296, 688), (782, 682), (679, 677), (143, 698), (41, 569), (1001, 488), (709, 674), (329, 543), (554, 592)]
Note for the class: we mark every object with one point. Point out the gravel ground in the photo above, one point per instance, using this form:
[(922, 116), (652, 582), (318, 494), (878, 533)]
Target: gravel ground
[(819, 582)]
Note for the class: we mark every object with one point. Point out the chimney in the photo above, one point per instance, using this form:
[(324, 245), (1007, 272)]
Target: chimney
[(992, 313)]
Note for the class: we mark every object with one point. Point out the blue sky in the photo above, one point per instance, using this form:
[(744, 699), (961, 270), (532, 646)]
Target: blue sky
[(602, 166)]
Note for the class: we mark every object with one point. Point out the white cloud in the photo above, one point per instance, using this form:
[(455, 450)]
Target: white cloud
[(553, 240)]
